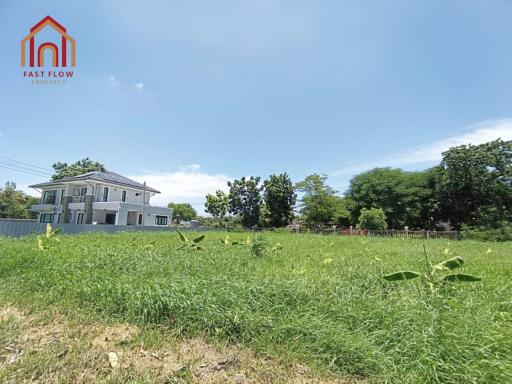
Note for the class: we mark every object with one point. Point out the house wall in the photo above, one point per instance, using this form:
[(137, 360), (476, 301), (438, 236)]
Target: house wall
[(127, 215), (133, 218), (115, 193), (98, 216), (124, 216), (126, 212)]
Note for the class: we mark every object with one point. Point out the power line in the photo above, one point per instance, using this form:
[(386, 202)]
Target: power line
[(23, 171), (22, 162), (20, 167)]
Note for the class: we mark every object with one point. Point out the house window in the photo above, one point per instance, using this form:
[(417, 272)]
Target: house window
[(58, 218), (80, 218), (83, 191), (49, 197), (61, 196), (140, 219), (46, 218), (161, 220), (123, 196), (105, 194)]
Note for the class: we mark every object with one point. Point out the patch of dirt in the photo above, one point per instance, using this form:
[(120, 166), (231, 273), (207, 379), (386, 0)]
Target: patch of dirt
[(163, 363), (36, 337), (193, 357), (8, 312), (112, 336), (36, 334)]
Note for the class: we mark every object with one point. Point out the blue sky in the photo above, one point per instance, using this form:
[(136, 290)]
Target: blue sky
[(189, 94)]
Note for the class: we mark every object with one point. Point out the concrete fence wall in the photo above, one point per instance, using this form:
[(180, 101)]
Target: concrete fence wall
[(16, 228)]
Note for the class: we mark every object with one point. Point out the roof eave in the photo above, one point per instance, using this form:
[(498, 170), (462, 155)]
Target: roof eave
[(60, 182), (40, 185)]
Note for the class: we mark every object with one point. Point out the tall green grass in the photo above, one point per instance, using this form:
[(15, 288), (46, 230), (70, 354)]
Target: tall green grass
[(320, 300)]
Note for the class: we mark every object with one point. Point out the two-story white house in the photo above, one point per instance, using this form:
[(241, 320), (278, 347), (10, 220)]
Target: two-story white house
[(99, 198)]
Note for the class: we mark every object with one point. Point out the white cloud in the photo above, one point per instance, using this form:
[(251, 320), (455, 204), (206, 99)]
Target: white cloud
[(478, 134), (187, 185), (113, 81), (139, 86), (190, 168)]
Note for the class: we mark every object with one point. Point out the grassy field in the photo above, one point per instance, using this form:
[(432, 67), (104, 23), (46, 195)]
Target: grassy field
[(318, 301)]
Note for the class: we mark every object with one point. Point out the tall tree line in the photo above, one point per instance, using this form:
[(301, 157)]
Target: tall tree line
[(472, 186)]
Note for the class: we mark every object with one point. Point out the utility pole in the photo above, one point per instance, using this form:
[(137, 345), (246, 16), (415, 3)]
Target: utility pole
[(144, 205)]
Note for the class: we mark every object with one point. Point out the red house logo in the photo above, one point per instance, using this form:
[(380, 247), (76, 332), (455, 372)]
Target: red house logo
[(56, 51)]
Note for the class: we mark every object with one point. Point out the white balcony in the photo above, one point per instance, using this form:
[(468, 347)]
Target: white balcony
[(74, 206), (51, 208)]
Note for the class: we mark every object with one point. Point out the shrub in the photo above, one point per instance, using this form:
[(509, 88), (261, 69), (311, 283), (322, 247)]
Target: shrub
[(373, 218), (502, 233), (259, 246)]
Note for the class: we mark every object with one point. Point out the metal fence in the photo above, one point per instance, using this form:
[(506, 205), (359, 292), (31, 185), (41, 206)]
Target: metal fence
[(332, 230), (453, 235), (16, 228)]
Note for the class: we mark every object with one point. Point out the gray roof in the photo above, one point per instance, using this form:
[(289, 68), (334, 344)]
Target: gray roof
[(107, 177)]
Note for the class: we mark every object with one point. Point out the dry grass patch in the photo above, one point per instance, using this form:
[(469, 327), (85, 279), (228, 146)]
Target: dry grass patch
[(111, 336), (49, 348), (9, 312)]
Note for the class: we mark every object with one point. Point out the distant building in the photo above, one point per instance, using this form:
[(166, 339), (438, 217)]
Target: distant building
[(99, 198)]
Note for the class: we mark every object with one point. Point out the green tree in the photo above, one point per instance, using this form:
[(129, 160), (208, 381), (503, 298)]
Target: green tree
[(476, 184), (373, 218), (244, 199), (217, 204), (407, 198), (319, 202), (279, 199), (265, 219), (182, 212), (342, 215), (77, 168), (15, 204)]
